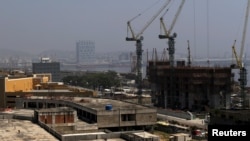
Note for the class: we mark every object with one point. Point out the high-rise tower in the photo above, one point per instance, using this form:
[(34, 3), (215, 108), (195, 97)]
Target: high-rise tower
[(85, 52)]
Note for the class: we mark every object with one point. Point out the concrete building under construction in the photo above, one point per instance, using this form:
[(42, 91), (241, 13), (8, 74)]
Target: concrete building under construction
[(189, 87)]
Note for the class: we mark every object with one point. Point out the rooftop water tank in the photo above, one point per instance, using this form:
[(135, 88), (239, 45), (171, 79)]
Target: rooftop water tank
[(108, 107)]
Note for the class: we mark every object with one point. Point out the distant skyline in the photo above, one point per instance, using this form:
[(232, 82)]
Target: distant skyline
[(35, 26)]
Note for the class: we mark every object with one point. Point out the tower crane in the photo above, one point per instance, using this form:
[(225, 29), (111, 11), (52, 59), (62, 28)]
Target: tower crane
[(240, 64), (171, 51), (189, 55), (138, 38), (167, 33)]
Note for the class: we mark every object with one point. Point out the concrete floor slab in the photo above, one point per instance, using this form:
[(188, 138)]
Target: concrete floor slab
[(23, 130)]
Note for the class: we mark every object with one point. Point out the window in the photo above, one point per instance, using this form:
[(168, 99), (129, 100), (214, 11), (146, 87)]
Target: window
[(128, 117)]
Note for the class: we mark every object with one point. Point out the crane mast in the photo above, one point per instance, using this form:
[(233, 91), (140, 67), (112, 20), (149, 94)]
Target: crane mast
[(243, 76), (243, 71), (167, 34), (240, 65), (171, 51), (138, 38), (244, 31), (189, 54)]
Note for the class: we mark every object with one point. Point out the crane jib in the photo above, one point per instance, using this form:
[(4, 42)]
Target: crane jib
[(130, 39)]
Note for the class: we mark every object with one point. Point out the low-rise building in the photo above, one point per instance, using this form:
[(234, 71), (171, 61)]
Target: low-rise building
[(56, 116), (105, 113), (85, 118), (16, 86)]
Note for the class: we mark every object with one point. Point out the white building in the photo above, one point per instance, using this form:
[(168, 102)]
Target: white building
[(85, 52)]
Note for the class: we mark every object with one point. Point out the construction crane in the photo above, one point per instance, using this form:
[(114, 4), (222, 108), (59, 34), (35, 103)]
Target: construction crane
[(189, 55), (240, 64), (243, 76), (138, 38), (167, 33), (171, 51)]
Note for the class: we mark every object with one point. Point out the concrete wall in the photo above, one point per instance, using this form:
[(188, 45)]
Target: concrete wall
[(107, 118), (50, 130), (145, 100), (6, 116), (146, 118), (111, 135), (126, 117), (86, 127)]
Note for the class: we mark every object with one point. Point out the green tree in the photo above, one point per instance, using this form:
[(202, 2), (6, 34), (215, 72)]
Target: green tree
[(94, 80)]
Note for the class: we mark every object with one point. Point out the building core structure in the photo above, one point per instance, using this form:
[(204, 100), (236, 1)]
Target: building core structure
[(189, 87)]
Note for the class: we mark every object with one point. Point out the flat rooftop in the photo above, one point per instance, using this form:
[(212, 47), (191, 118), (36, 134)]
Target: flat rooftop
[(146, 135), (23, 130), (58, 109), (99, 104)]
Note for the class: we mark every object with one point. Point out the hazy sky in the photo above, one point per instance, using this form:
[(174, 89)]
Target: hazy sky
[(211, 26)]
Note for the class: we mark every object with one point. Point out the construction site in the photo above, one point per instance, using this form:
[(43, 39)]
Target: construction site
[(186, 87), (178, 84), (75, 113)]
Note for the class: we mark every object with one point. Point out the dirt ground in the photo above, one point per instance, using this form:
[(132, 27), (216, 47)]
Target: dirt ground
[(163, 136)]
